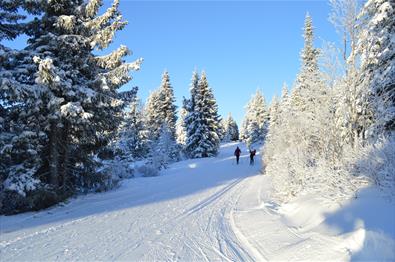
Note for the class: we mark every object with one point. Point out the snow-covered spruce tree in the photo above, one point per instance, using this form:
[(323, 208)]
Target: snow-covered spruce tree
[(181, 133), (168, 107), (165, 150), (256, 120), (65, 95), (161, 108), (10, 26), (231, 129), (377, 49), (202, 121), (274, 112), (309, 82), (133, 137), (152, 116)]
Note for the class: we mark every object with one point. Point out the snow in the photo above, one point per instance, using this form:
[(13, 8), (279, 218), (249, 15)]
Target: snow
[(203, 210)]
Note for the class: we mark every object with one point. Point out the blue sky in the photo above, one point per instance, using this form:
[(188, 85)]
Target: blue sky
[(242, 45)]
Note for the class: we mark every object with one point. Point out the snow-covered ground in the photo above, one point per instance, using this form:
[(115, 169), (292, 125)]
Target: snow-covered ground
[(205, 209)]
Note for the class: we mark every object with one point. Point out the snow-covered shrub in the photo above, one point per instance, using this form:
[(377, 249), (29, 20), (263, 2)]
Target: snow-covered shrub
[(148, 170), (12, 202), (377, 162)]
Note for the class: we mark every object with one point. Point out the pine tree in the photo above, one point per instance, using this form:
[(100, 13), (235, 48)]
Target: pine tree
[(63, 94), (202, 121)]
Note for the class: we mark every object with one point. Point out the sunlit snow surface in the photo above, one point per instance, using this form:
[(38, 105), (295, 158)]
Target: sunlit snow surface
[(203, 210)]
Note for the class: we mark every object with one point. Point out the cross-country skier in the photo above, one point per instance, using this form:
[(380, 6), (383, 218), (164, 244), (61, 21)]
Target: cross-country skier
[(252, 154), (237, 154)]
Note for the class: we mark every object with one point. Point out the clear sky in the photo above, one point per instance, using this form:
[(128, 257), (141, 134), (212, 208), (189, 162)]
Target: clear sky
[(242, 45)]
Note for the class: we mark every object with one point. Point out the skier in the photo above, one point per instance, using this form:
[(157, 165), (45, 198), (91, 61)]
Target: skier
[(237, 154), (252, 154)]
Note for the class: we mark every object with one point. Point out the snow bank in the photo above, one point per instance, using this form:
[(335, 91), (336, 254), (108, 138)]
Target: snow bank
[(365, 224)]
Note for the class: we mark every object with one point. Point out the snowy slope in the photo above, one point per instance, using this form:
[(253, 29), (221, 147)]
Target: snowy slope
[(206, 209)]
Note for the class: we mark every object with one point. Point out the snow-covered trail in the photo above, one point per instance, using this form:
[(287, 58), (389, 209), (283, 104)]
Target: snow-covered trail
[(184, 214), (202, 210)]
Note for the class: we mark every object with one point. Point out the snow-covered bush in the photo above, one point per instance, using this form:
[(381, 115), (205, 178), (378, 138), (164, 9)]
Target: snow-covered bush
[(377, 162), (334, 139), (148, 170)]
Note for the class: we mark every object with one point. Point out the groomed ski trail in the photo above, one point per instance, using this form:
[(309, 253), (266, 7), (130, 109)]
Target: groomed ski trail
[(197, 210), (185, 214)]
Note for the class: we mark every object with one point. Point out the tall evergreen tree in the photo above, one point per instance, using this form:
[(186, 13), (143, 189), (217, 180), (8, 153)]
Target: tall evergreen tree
[(202, 121), (9, 18), (256, 119), (180, 125), (165, 150), (309, 84), (231, 130), (153, 117), (161, 108), (377, 50), (63, 94), (133, 137), (167, 99)]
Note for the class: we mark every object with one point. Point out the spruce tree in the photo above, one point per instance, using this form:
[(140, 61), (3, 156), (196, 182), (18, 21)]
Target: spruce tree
[(153, 116), (202, 121), (133, 137), (255, 120), (165, 150), (231, 130), (161, 108), (167, 103), (9, 19), (377, 50), (309, 84), (65, 95), (180, 125)]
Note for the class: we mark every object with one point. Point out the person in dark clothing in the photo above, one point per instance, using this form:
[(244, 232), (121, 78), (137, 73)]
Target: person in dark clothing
[(237, 154), (252, 154)]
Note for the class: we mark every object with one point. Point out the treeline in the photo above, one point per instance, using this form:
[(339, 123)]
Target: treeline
[(337, 124)]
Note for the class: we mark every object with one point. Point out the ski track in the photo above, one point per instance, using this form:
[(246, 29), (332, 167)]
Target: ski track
[(198, 210)]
